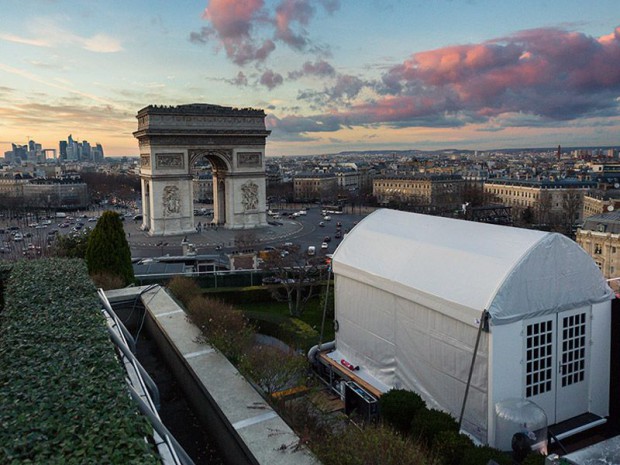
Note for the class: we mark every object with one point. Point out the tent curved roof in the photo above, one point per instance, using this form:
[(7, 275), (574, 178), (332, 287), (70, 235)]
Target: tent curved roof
[(462, 268)]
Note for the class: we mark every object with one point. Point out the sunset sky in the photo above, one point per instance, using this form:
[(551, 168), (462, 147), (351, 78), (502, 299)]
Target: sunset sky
[(332, 75)]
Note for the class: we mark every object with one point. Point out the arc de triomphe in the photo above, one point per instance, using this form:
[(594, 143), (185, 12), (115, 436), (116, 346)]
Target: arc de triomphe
[(172, 138)]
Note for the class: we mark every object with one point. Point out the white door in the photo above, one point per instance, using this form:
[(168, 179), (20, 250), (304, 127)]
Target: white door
[(556, 362), (573, 363)]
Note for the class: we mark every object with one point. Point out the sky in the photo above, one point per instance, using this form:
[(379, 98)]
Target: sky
[(331, 75)]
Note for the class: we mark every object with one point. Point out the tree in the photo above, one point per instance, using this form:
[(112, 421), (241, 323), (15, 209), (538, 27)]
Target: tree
[(297, 275), (108, 250), (71, 245), (274, 369), (572, 203)]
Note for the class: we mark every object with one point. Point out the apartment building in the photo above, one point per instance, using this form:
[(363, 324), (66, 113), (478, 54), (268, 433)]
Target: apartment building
[(315, 186), (600, 238), (434, 191), (551, 201)]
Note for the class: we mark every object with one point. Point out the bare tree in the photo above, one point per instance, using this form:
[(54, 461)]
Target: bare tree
[(544, 207), (296, 276), (572, 203), (245, 239)]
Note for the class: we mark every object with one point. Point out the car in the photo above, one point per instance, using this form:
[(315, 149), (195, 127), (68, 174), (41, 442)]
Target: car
[(338, 235), (327, 239), (327, 218), (18, 237), (339, 224), (324, 245), (321, 224), (288, 244)]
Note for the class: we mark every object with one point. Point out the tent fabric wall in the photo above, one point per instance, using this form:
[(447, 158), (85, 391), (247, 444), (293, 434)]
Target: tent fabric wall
[(404, 344)]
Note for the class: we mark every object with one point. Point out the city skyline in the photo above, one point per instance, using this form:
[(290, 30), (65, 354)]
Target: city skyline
[(331, 75)]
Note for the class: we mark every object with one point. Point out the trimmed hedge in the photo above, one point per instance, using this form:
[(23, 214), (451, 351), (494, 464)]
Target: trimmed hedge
[(398, 407), (63, 396), (428, 423)]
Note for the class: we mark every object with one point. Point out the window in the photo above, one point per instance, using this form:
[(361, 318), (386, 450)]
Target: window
[(598, 249)]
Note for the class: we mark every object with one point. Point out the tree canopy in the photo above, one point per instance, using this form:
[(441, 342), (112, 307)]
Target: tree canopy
[(107, 250)]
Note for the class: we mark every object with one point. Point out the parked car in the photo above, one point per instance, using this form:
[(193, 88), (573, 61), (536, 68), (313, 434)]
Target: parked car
[(324, 245), (327, 239)]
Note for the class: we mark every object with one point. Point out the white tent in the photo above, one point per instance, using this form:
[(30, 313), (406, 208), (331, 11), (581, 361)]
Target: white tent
[(411, 290)]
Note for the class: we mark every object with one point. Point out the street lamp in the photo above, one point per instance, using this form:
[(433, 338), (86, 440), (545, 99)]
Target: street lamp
[(162, 245)]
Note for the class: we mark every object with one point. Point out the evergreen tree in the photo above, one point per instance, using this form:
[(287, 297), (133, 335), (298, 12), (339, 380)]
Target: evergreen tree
[(108, 250)]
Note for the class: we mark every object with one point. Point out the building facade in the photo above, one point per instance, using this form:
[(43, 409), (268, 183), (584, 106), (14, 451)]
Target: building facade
[(44, 193), (315, 186), (600, 238), (550, 201), (434, 191)]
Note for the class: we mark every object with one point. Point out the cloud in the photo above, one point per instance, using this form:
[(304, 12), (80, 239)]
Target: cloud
[(531, 78), (319, 68), (248, 31), (240, 80), (46, 33), (271, 79)]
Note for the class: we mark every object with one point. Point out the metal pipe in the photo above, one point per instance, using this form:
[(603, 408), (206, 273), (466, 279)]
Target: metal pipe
[(483, 318), (150, 384), (108, 308), (160, 428)]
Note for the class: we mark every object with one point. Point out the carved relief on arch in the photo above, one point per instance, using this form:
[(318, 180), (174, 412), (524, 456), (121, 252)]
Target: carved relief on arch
[(248, 159), (169, 160), (249, 196), (171, 200), (223, 154)]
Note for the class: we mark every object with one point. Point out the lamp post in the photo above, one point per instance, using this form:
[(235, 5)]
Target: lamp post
[(162, 245)]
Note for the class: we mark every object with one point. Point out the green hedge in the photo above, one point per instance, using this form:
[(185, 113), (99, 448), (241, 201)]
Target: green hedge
[(63, 396)]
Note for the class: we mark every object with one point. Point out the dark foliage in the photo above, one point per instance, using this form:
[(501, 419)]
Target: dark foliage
[(108, 250), (63, 395), (427, 424), (398, 408)]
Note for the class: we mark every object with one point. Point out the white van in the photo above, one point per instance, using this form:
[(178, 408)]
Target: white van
[(311, 250)]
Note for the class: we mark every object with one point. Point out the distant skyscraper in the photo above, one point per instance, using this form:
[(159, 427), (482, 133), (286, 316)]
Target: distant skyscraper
[(62, 145), (559, 154)]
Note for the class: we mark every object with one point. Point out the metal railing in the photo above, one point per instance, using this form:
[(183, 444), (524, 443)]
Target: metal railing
[(142, 388)]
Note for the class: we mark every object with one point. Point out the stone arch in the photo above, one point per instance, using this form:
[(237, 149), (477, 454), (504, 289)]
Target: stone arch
[(172, 139)]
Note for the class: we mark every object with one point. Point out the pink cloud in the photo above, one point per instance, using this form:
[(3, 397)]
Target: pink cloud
[(270, 79), (248, 30), (521, 73), (319, 68), (548, 76), (232, 18)]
